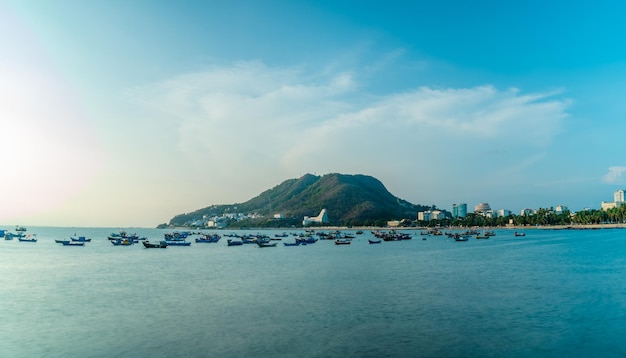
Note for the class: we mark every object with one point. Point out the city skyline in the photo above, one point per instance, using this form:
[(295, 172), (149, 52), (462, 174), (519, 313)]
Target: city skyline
[(118, 113)]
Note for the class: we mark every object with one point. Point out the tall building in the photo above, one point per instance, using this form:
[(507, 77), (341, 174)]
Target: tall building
[(482, 208), (459, 210), (618, 200)]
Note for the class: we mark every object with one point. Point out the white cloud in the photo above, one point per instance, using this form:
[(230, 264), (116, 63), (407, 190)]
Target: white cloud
[(271, 123), (614, 175)]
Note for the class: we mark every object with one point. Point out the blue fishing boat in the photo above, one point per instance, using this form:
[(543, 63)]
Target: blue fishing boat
[(80, 239), (73, 243), (122, 242), (209, 239), (178, 243), (297, 243), (373, 241), (234, 242)]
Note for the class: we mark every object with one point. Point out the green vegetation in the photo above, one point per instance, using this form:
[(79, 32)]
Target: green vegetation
[(542, 217), (350, 200)]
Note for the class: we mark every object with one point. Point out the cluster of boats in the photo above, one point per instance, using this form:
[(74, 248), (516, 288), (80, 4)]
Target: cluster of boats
[(465, 235), (392, 235), (74, 241), (183, 238), (19, 234), (170, 239)]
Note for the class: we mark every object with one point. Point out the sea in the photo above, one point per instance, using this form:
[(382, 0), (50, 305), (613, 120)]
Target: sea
[(552, 293)]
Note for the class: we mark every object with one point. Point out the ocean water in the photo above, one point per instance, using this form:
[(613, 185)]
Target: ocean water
[(553, 293)]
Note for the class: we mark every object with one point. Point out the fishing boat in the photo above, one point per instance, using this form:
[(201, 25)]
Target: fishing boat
[(73, 243), (208, 239), (234, 242), (161, 245), (306, 240), (519, 234), (20, 228), (10, 235), (374, 241), (266, 244), (342, 242), (297, 243), (123, 235), (58, 241), (28, 239), (122, 242), (80, 239), (178, 243)]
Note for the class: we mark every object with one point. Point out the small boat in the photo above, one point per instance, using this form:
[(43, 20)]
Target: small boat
[(27, 239), (80, 239), (20, 228), (10, 235), (519, 234), (342, 242), (234, 242), (266, 244), (297, 243), (248, 240), (374, 241), (61, 241), (306, 240), (73, 243), (122, 242), (461, 238), (178, 243), (482, 236), (161, 245), (209, 239)]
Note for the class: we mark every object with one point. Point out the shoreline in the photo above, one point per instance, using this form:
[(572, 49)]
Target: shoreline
[(508, 227)]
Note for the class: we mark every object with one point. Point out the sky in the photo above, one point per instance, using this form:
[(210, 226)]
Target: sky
[(125, 113)]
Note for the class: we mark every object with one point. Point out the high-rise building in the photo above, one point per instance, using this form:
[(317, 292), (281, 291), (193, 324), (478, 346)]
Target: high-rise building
[(459, 210), (482, 208), (618, 196)]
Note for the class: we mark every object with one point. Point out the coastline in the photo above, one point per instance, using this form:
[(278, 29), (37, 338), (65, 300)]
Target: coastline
[(508, 227)]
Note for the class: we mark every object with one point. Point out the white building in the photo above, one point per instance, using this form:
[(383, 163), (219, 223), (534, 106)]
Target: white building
[(430, 215), (321, 218), (618, 200), (526, 212), (560, 209), (504, 212), (482, 208)]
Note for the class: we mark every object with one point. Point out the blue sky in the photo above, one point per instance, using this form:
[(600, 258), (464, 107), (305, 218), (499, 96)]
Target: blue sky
[(126, 113)]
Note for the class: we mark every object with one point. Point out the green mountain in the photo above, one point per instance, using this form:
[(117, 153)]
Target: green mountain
[(348, 200)]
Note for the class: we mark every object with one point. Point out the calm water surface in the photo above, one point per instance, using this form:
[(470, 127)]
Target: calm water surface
[(551, 293)]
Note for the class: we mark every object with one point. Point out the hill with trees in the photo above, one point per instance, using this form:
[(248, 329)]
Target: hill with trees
[(350, 200)]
